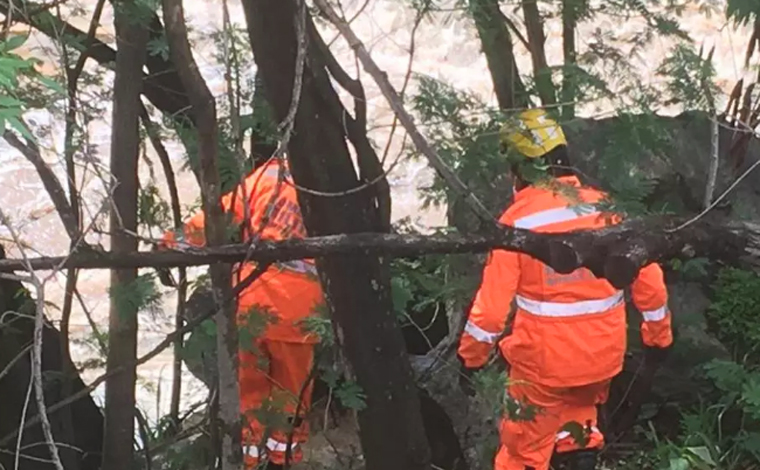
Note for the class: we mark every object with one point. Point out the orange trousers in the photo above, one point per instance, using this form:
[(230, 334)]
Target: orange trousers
[(272, 380), (531, 443)]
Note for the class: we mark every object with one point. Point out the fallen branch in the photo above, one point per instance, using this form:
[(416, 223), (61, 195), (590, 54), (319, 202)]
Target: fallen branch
[(615, 253)]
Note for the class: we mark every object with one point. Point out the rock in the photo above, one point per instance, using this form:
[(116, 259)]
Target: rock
[(86, 419)]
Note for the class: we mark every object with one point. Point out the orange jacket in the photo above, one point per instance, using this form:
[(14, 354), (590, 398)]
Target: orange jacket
[(569, 329), (289, 290)]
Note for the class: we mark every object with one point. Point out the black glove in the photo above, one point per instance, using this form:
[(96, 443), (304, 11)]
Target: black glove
[(655, 356), (166, 278), (466, 379), (164, 274)]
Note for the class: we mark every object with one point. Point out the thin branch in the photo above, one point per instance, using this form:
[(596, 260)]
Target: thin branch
[(714, 161), (39, 324), (49, 180), (407, 78), (204, 111), (515, 30), (91, 322), (726, 192), (171, 182), (13, 361), (230, 56), (370, 167), (381, 78), (718, 200)]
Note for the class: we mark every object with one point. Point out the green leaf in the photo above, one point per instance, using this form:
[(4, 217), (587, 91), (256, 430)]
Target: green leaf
[(10, 102), (13, 42), (578, 432), (51, 84), (703, 454), (16, 124), (679, 463), (351, 395)]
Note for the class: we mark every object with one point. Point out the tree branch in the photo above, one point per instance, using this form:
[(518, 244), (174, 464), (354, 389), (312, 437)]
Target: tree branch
[(204, 112), (615, 253), (162, 85), (370, 167), (494, 35), (381, 78), (50, 181), (536, 38)]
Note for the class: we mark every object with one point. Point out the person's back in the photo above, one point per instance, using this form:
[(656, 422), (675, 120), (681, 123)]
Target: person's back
[(276, 365), (569, 333), (572, 326)]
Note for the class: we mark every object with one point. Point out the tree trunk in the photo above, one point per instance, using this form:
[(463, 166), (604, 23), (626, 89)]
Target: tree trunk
[(536, 40), (204, 113), (357, 287), (570, 14), (122, 330), (497, 46)]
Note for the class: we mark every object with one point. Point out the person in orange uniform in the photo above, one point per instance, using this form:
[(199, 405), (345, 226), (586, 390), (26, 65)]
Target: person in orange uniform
[(569, 333), (275, 370)]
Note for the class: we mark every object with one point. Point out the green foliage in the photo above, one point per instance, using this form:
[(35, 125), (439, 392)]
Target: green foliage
[(733, 312), (152, 210), (320, 325), (256, 321), (137, 11), (159, 46), (140, 294), (625, 142), (12, 67), (742, 11), (465, 133), (723, 433), (690, 78), (691, 269), (351, 395)]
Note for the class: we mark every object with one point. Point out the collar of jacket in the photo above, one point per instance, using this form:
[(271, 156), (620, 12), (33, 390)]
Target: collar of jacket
[(533, 190)]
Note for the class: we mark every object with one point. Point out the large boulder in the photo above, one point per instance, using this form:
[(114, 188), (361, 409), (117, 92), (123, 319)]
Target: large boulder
[(77, 428)]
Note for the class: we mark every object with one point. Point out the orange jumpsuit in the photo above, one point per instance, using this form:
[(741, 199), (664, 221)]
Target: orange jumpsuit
[(273, 371), (569, 332)]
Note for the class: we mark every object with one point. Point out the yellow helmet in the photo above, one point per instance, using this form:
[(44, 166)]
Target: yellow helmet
[(534, 134)]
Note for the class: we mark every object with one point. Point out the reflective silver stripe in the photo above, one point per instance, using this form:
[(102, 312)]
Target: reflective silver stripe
[(553, 216), (480, 334), (655, 315), (275, 172), (565, 434), (278, 446), (251, 451), (568, 309), (299, 266)]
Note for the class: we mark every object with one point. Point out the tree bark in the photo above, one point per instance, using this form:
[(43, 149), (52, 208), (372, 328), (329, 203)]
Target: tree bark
[(391, 429), (570, 13), (536, 40), (497, 46), (118, 449), (204, 113)]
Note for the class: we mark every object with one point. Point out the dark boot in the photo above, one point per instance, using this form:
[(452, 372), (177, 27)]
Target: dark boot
[(582, 459), (274, 466)]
